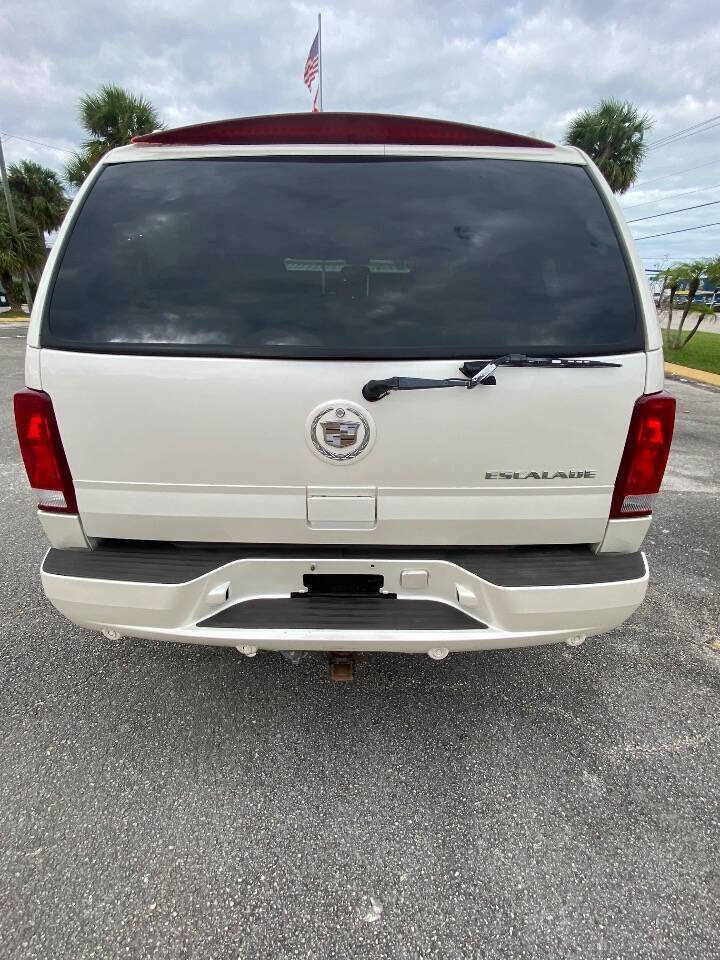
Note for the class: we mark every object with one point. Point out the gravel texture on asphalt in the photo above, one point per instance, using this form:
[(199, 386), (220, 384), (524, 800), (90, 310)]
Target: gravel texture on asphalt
[(168, 801)]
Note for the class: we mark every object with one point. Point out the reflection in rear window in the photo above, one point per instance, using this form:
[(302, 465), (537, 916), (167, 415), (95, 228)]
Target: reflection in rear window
[(344, 258)]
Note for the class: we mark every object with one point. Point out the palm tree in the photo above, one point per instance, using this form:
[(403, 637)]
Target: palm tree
[(38, 196), (19, 251), (112, 117), (712, 272), (613, 135), (694, 271), (38, 193), (77, 168), (672, 278)]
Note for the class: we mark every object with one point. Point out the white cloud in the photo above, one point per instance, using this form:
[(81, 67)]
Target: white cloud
[(528, 66)]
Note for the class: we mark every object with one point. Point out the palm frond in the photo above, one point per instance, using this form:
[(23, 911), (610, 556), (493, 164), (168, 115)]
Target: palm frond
[(38, 193), (111, 117), (21, 249), (77, 168), (613, 135)]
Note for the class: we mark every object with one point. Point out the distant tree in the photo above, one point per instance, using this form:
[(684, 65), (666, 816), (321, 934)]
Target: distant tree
[(38, 195), (21, 250), (712, 272), (613, 135), (673, 277), (111, 117), (694, 270)]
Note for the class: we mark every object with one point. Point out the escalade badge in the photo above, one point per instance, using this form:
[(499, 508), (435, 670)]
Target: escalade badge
[(340, 431)]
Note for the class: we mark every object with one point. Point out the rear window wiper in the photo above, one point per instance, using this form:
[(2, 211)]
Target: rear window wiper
[(476, 372)]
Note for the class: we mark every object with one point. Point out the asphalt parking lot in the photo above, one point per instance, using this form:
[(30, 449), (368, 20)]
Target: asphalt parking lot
[(168, 801)]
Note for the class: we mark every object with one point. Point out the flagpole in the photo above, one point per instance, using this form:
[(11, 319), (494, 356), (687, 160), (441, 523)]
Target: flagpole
[(320, 103)]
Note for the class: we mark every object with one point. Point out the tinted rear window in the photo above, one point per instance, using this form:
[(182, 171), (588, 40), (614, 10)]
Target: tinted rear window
[(344, 258)]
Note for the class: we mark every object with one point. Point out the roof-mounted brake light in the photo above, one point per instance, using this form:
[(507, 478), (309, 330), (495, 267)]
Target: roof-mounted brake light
[(361, 128)]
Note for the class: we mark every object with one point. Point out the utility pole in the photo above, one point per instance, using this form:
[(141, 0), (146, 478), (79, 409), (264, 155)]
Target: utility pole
[(13, 222)]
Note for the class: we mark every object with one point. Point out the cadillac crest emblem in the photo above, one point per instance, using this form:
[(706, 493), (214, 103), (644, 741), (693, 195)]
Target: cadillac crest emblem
[(340, 431)]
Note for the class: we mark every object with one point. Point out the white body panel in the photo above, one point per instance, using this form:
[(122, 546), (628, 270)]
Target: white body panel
[(624, 536), (215, 449), (64, 530)]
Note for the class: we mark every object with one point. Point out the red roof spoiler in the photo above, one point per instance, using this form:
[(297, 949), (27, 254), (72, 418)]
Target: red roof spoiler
[(338, 128)]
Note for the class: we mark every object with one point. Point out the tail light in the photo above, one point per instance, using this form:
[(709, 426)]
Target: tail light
[(42, 452), (646, 452)]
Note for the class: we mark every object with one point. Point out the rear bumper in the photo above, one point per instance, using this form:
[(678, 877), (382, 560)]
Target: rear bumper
[(469, 600)]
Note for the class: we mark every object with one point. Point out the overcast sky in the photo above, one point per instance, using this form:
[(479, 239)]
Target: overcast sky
[(528, 67)]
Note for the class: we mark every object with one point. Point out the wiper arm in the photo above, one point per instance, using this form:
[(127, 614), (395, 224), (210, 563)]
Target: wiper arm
[(476, 372), (377, 389)]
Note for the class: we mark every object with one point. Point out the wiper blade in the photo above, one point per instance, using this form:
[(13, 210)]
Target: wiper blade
[(471, 368), (477, 372)]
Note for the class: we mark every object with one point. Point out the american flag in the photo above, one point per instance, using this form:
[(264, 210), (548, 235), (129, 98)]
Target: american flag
[(312, 64)]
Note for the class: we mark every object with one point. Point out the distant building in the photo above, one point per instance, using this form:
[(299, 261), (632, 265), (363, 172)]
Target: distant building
[(705, 292)]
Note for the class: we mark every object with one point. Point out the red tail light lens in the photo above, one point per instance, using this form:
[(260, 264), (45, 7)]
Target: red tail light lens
[(42, 452), (646, 452)]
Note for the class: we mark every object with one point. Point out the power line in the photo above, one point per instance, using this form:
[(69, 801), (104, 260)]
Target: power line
[(681, 134), (684, 230), (684, 136), (16, 136), (670, 196), (662, 260), (667, 213), (665, 176), (669, 136), (687, 135)]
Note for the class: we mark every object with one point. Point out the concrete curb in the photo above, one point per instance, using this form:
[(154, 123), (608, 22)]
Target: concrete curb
[(14, 319), (699, 376)]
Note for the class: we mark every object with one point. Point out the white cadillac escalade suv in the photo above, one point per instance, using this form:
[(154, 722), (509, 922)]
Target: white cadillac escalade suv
[(345, 382)]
